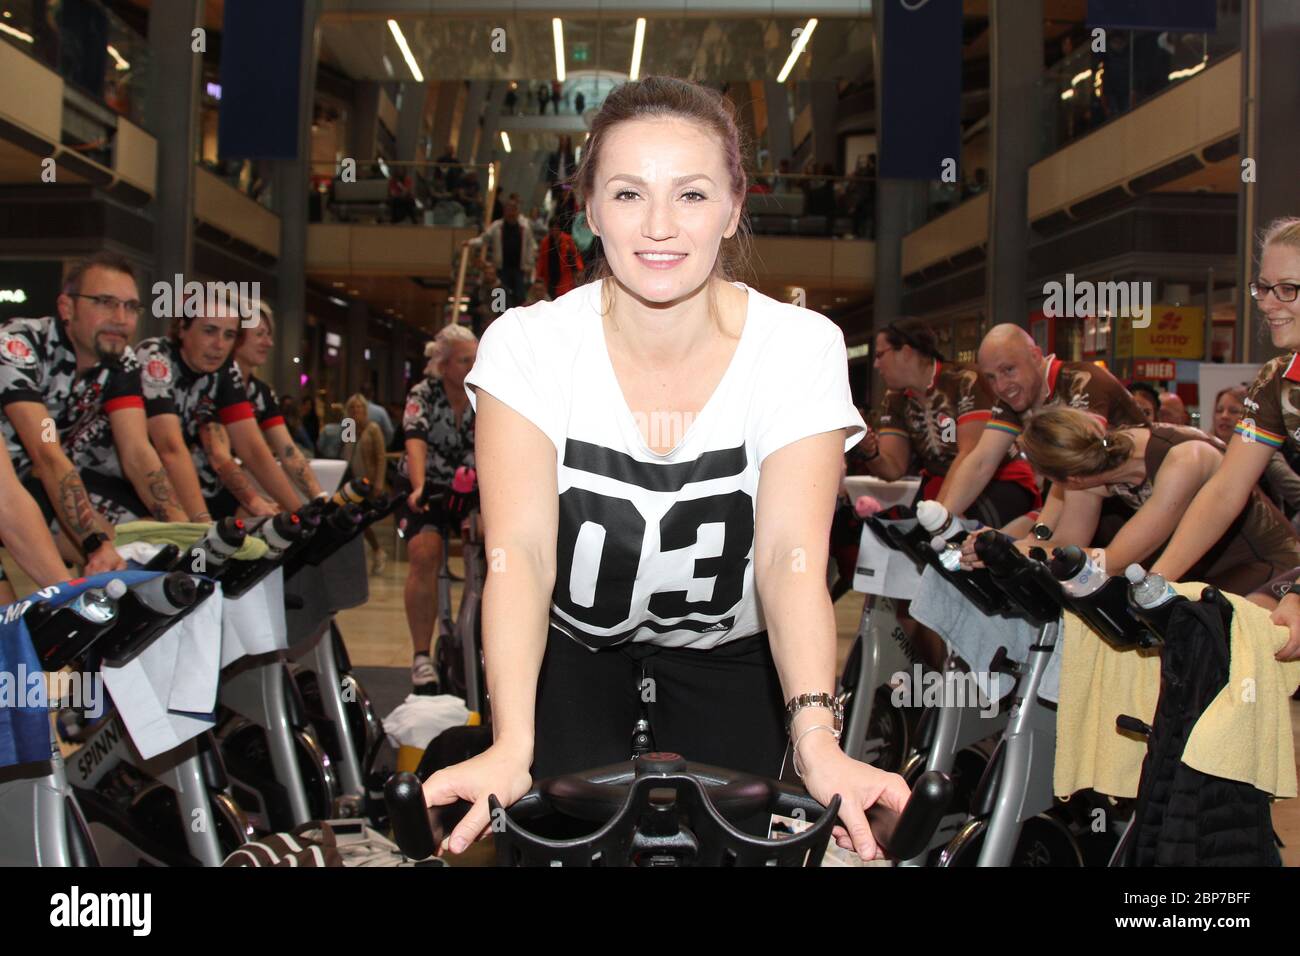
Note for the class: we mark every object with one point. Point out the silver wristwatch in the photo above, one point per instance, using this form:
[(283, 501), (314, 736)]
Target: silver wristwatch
[(831, 703)]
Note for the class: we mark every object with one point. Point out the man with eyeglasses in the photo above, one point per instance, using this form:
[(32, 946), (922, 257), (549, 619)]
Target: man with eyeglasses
[(74, 412)]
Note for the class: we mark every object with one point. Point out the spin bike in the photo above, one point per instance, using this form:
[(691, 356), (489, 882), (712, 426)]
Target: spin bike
[(458, 650), (298, 731), (104, 804)]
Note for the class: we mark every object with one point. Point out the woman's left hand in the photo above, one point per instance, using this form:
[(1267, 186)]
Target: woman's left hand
[(828, 771)]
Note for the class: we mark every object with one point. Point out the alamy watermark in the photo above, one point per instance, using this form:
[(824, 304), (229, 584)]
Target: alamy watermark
[(1124, 300), (178, 298), (38, 689), (949, 688)]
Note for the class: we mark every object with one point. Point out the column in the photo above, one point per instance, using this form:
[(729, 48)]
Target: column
[(1015, 67), (292, 178), (364, 121), (409, 118), (477, 95), (173, 120), (1270, 101), (778, 121), (354, 345)]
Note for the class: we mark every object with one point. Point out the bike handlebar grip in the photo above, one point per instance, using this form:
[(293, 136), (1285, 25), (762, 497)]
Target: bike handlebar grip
[(409, 816), (912, 829)]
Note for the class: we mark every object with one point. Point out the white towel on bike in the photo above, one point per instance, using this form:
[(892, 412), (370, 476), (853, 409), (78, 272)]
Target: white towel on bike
[(975, 637), (253, 623), (420, 718), (168, 693), (882, 570)]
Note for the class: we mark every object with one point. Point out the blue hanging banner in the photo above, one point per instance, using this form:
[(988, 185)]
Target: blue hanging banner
[(920, 95), (1177, 16), (261, 51)]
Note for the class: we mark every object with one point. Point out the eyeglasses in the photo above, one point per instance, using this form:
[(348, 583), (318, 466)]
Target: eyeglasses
[(880, 352), (1282, 291), (111, 303)]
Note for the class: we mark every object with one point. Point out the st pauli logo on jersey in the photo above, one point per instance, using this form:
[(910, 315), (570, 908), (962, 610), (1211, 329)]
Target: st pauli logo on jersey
[(15, 350), (158, 370)]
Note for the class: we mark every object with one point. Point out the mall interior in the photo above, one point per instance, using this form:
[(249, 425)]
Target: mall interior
[(354, 164)]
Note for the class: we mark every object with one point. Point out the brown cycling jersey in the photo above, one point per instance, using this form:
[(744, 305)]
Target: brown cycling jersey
[(929, 420), (1082, 385), (1259, 543), (1272, 412)]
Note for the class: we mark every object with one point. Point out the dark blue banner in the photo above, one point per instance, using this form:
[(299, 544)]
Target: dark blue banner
[(1178, 16), (920, 95), (261, 50)]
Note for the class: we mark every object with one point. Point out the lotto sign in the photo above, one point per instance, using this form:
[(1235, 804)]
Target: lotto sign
[(1174, 332)]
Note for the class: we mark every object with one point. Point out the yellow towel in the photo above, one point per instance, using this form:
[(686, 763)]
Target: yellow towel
[(1245, 733), (183, 534)]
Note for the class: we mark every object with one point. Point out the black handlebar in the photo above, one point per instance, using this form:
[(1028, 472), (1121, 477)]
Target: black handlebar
[(661, 810)]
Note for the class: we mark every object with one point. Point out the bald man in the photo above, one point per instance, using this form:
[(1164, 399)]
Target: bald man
[(1172, 410), (1025, 381)]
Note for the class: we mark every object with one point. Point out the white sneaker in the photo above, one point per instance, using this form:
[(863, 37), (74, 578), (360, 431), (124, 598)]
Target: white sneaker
[(423, 676)]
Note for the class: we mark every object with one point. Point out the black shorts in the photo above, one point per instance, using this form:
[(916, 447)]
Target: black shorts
[(410, 523), (222, 505), (722, 707)]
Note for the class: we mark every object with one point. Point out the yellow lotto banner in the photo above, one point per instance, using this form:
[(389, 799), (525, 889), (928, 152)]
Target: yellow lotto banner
[(1173, 332)]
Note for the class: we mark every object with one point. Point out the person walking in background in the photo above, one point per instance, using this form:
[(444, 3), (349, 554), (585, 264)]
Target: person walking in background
[(543, 97), (510, 246), (559, 263), (579, 102), (363, 449), (330, 442), (310, 420)]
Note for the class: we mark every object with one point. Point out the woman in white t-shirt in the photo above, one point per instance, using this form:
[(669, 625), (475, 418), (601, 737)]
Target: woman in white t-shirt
[(638, 565)]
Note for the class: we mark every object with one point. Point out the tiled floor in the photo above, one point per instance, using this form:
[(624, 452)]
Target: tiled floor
[(376, 635)]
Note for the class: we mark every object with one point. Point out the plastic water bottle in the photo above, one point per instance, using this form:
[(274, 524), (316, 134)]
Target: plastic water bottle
[(355, 492), (1149, 591), (935, 519), (99, 605), (167, 594), (280, 532), (220, 542), (1079, 574), (949, 552)]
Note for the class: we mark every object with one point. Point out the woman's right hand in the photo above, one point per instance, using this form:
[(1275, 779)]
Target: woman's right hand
[(413, 499), (495, 771), (969, 559)]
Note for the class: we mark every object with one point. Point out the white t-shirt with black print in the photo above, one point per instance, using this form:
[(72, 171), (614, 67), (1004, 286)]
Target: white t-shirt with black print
[(651, 547)]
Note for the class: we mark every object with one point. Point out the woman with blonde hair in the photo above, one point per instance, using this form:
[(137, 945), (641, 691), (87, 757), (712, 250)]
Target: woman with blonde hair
[(438, 428), (1271, 421), (252, 349), (1155, 472), (363, 449)]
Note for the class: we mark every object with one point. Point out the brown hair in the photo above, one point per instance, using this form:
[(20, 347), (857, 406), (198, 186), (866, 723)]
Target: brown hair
[(661, 97), (915, 333), (1062, 442), (100, 260), (1238, 392)]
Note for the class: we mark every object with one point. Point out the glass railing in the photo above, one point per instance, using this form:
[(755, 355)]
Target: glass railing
[(1088, 89), (410, 193), (92, 48), (453, 194)]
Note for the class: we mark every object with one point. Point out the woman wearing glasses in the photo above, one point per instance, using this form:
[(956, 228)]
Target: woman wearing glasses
[(936, 410), (1271, 421)]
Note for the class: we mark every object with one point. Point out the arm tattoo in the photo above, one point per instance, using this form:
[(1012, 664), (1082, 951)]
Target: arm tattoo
[(76, 511), (299, 470), (216, 443), (236, 482), (163, 496)]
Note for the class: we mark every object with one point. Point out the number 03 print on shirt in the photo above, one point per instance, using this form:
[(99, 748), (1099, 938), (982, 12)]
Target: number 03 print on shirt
[(649, 559)]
